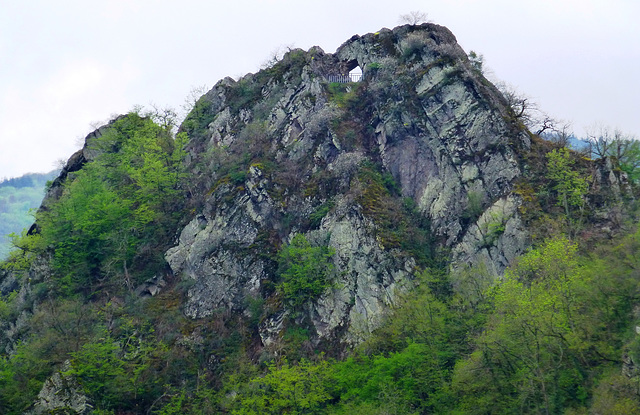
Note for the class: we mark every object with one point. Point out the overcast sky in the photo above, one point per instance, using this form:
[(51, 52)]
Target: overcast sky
[(65, 65)]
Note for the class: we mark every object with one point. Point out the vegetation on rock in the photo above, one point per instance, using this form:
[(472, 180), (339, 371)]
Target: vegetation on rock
[(291, 251)]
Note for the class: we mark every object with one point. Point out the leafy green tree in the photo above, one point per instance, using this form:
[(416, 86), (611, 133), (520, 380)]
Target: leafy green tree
[(100, 225), (305, 271), (477, 61), (100, 371), (289, 389), (569, 184), (118, 372), (21, 377), (406, 381), (531, 354)]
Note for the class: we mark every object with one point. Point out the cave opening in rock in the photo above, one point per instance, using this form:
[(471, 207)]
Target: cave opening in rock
[(356, 74)]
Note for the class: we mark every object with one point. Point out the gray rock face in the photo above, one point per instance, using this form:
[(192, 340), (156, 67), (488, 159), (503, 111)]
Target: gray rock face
[(368, 279), (214, 252), (494, 240), (422, 113), (61, 394)]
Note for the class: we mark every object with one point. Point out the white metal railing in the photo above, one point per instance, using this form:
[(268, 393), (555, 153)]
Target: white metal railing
[(344, 79)]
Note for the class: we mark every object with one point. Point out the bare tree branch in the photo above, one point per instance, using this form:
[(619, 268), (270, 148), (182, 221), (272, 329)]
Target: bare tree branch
[(415, 17)]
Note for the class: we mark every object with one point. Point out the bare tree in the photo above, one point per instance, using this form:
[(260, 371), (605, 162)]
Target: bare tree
[(276, 55), (415, 17), (560, 132), (623, 147), (605, 142), (166, 117), (523, 107), (528, 113), (192, 98)]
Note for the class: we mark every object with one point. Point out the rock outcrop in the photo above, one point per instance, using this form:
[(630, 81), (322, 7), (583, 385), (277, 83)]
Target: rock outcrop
[(417, 169), (422, 114), (61, 393)]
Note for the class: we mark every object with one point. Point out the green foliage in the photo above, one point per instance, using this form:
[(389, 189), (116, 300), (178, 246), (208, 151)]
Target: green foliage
[(7, 306), (316, 217), (629, 160), (570, 186), (492, 229), (404, 381), (238, 177), (305, 271), (120, 368), (546, 338), (292, 62), (345, 95), (197, 121), (623, 148), (20, 257), (288, 389), (99, 369), (21, 378), (474, 206), (545, 333), (399, 224), (540, 340), (99, 225), (616, 394), (244, 93), (477, 61)]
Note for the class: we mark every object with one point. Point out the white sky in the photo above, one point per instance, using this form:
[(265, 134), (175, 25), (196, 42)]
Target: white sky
[(66, 64)]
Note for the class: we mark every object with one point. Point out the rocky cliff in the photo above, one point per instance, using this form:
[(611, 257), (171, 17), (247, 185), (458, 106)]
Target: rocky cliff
[(298, 214), (440, 136)]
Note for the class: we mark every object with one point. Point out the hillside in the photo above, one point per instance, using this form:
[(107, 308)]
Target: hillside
[(400, 244), (18, 196)]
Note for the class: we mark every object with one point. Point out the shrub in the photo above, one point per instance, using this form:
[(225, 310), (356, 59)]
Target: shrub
[(344, 95), (304, 271)]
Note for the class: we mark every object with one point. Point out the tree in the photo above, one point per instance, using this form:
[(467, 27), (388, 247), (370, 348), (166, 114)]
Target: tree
[(570, 186), (300, 389), (624, 148), (556, 131), (529, 356), (192, 98), (526, 111), (99, 224), (477, 60), (414, 17), (304, 270)]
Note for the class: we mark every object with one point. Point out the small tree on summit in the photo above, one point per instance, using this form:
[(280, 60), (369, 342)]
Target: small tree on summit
[(415, 17)]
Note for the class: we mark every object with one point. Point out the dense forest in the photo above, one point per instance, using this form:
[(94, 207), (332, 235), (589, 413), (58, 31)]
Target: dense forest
[(18, 196), (96, 317)]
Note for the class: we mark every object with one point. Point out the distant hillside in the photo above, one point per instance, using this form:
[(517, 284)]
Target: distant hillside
[(17, 196)]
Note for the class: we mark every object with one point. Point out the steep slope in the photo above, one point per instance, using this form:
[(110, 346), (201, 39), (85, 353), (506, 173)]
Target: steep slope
[(276, 150)]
